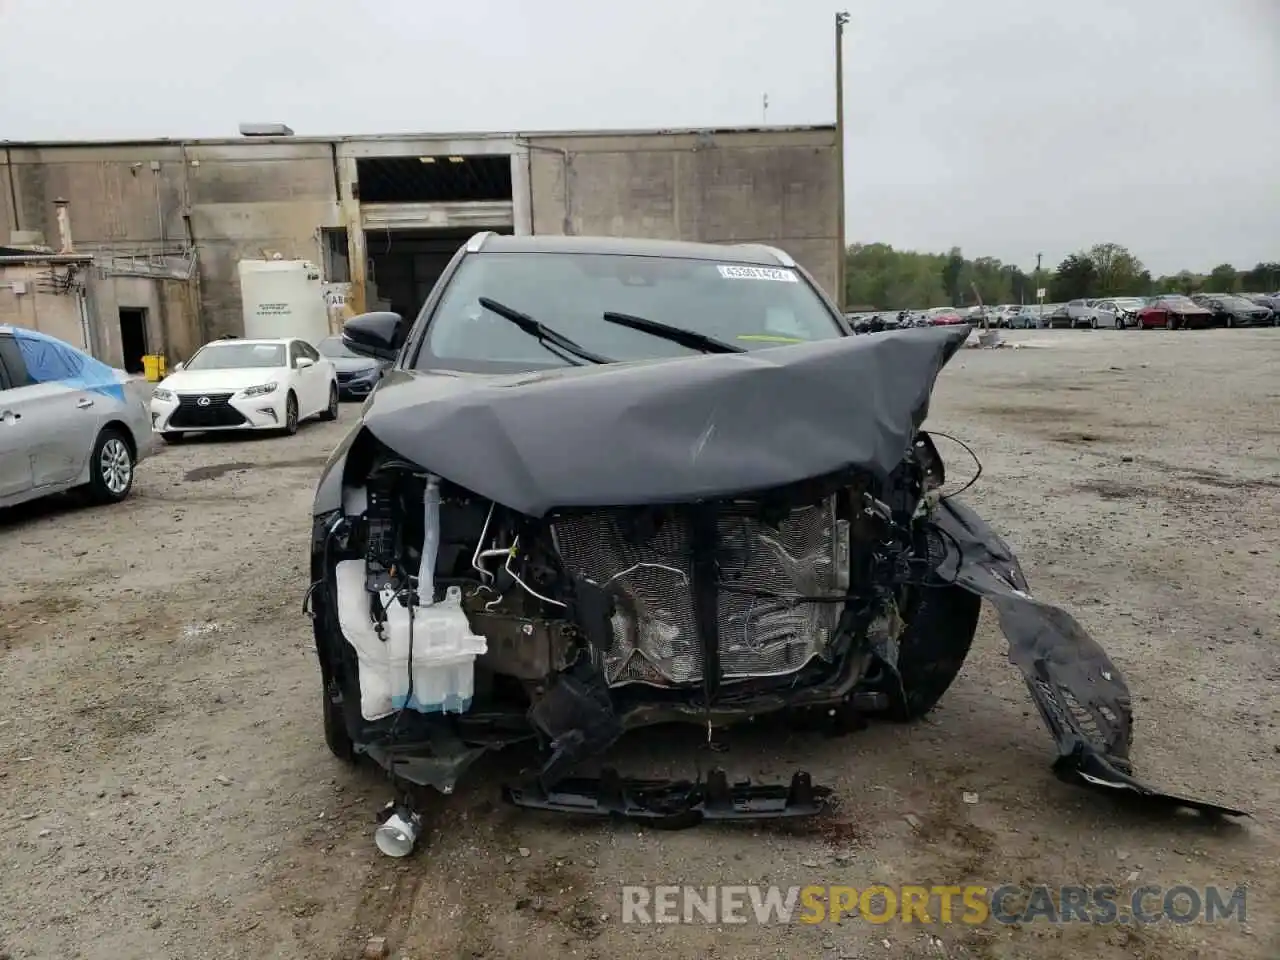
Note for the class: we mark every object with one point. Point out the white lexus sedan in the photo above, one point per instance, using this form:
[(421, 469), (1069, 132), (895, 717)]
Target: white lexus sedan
[(245, 385)]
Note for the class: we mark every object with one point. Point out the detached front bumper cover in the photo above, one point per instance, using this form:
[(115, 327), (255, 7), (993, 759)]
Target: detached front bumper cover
[(1081, 695)]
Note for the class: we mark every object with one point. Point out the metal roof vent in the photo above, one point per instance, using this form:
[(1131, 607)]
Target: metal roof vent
[(265, 130)]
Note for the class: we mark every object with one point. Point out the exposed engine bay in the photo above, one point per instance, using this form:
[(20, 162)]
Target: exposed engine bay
[(450, 621)]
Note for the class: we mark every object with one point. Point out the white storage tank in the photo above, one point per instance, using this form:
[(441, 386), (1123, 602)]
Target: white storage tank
[(283, 298)]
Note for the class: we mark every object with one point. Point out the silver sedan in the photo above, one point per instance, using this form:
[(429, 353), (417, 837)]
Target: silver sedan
[(67, 421)]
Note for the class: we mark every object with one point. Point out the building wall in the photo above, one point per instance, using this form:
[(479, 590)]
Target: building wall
[(231, 200), (778, 187), (172, 316), (57, 314), (237, 199), (254, 201), (8, 222)]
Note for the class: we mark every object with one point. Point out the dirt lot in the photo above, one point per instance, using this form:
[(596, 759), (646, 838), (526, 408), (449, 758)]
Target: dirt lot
[(166, 791)]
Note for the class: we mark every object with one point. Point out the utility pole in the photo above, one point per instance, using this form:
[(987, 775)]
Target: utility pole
[(1039, 278), (842, 18)]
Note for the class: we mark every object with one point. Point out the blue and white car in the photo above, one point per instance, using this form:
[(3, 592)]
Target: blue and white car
[(67, 421)]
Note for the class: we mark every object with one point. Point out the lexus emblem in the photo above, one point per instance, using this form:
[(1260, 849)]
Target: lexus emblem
[(202, 402)]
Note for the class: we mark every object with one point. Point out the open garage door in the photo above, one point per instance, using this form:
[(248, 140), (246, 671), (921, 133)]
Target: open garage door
[(417, 211), (405, 264)]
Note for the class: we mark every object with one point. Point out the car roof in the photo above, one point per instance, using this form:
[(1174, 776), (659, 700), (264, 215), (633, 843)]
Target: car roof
[(755, 254)]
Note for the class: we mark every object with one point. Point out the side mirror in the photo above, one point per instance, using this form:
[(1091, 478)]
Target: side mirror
[(304, 362), (378, 336), (178, 366)]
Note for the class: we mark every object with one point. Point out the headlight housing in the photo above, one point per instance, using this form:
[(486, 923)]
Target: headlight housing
[(159, 393), (260, 390)]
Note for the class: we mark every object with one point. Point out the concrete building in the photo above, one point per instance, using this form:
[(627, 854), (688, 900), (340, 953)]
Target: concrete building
[(382, 214)]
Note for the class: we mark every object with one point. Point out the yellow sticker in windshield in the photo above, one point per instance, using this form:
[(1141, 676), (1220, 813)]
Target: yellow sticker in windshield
[(769, 338)]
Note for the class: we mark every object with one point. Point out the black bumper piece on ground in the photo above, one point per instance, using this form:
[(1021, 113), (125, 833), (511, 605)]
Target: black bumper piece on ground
[(1080, 693), (673, 804)]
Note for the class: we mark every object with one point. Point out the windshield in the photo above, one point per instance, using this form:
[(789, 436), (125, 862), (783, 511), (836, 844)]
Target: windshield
[(235, 356), (1179, 302), (333, 347), (1237, 303), (745, 306)]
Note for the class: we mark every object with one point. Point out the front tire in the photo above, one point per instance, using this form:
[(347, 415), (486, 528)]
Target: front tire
[(1168, 321), (331, 411), (942, 622), (290, 415), (110, 467), (336, 737)]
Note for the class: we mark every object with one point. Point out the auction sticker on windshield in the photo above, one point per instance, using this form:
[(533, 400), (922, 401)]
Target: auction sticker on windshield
[(734, 272)]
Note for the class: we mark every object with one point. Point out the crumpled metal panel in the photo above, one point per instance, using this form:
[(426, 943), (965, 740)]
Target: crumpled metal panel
[(667, 431), (1081, 695)]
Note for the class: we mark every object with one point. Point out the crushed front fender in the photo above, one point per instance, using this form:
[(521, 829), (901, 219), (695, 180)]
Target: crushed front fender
[(1081, 695)]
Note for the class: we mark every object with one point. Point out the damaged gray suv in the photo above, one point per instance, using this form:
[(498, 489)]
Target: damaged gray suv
[(609, 484)]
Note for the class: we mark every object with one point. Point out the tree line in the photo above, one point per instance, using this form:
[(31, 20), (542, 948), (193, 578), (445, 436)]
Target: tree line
[(878, 277)]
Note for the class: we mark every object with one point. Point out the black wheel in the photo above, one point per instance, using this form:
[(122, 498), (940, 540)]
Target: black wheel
[(290, 414), (336, 737), (110, 467), (172, 436), (1168, 321), (1093, 323), (331, 411), (931, 651), (1231, 321)]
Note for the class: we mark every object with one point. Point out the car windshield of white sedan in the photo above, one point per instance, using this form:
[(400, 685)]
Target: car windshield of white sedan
[(238, 356), (751, 307)]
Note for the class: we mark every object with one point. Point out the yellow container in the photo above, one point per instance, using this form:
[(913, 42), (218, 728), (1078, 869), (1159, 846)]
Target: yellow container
[(153, 366)]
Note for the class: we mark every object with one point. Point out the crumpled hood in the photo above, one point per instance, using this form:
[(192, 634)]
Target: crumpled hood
[(667, 431)]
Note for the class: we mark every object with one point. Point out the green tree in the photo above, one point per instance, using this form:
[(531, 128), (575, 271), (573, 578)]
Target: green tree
[(1221, 279), (952, 276), (878, 277), (1263, 278), (1074, 278), (1117, 272)]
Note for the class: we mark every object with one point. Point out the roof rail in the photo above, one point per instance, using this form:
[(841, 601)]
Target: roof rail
[(475, 244), (784, 258)]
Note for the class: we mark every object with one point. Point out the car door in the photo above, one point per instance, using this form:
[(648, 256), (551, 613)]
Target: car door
[(1106, 312), (16, 444), (324, 374), (308, 376), (44, 418)]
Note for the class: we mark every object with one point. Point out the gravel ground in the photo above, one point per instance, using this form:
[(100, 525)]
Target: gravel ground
[(166, 791)]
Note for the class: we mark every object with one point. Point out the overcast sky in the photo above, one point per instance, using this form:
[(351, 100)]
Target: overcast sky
[(1007, 127)]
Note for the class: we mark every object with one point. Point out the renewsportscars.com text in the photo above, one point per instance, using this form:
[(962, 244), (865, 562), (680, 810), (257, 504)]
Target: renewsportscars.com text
[(969, 904)]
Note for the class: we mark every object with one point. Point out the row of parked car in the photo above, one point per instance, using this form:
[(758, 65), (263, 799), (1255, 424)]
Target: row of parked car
[(1170, 311)]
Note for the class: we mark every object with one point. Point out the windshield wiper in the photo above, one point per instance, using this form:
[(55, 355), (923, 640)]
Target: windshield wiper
[(686, 338), (555, 342)]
